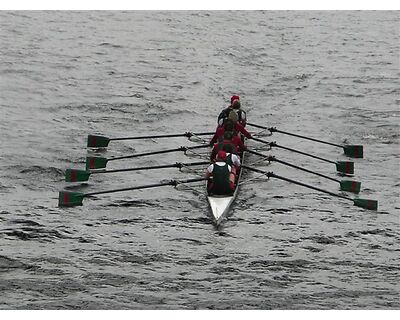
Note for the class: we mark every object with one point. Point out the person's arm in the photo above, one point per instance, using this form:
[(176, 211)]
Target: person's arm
[(243, 118), (213, 152), (239, 143), (236, 160), (242, 130), (209, 171), (221, 116), (217, 134)]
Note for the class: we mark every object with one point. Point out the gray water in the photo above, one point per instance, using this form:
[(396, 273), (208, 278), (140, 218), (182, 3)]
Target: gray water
[(328, 75)]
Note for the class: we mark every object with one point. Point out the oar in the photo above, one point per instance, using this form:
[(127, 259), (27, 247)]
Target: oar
[(101, 162), (354, 151), (70, 199), (95, 141), (345, 185), (74, 175), (346, 167), (363, 203)]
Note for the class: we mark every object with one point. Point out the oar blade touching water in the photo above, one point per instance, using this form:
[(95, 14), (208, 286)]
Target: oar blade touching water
[(70, 199), (346, 167), (94, 141), (350, 186), (354, 151), (96, 162), (366, 204), (75, 175)]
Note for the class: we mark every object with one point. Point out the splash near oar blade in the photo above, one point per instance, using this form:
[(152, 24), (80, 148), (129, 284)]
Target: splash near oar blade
[(366, 204), (350, 186), (96, 162), (354, 151), (345, 167), (70, 199), (74, 175), (94, 141)]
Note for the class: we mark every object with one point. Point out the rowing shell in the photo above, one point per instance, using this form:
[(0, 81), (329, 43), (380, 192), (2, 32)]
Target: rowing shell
[(221, 204)]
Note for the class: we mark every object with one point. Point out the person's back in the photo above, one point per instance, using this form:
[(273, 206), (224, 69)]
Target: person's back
[(221, 181), (231, 157), (228, 139), (242, 117), (231, 124), (234, 106)]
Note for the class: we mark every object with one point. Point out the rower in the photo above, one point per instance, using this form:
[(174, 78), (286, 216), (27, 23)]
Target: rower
[(231, 123), (229, 139), (231, 158), (221, 180), (234, 106)]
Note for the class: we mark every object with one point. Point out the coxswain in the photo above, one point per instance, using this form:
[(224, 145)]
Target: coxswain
[(221, 181), (230, 123), (234, 106)]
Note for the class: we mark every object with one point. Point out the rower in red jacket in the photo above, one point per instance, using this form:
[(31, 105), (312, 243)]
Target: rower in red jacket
[(229, 123), (229, 138)]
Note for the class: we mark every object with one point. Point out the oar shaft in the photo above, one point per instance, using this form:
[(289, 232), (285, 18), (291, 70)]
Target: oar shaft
[(271, 174), (273, 144), (158, 152), (303, 153), (303, 137), (174, 135), (269, 158), (304, 169), (308, 186), (273, 129), (257, 126), (127, 189), (145, 154), (164, 166), (148, 186)]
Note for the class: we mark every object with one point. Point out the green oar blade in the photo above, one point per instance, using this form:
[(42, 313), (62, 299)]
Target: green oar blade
[(95, 163), (356, 151), (70, 199), (74, 175), (345, 167), (366, 204), (94, 141), (350, 186)]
